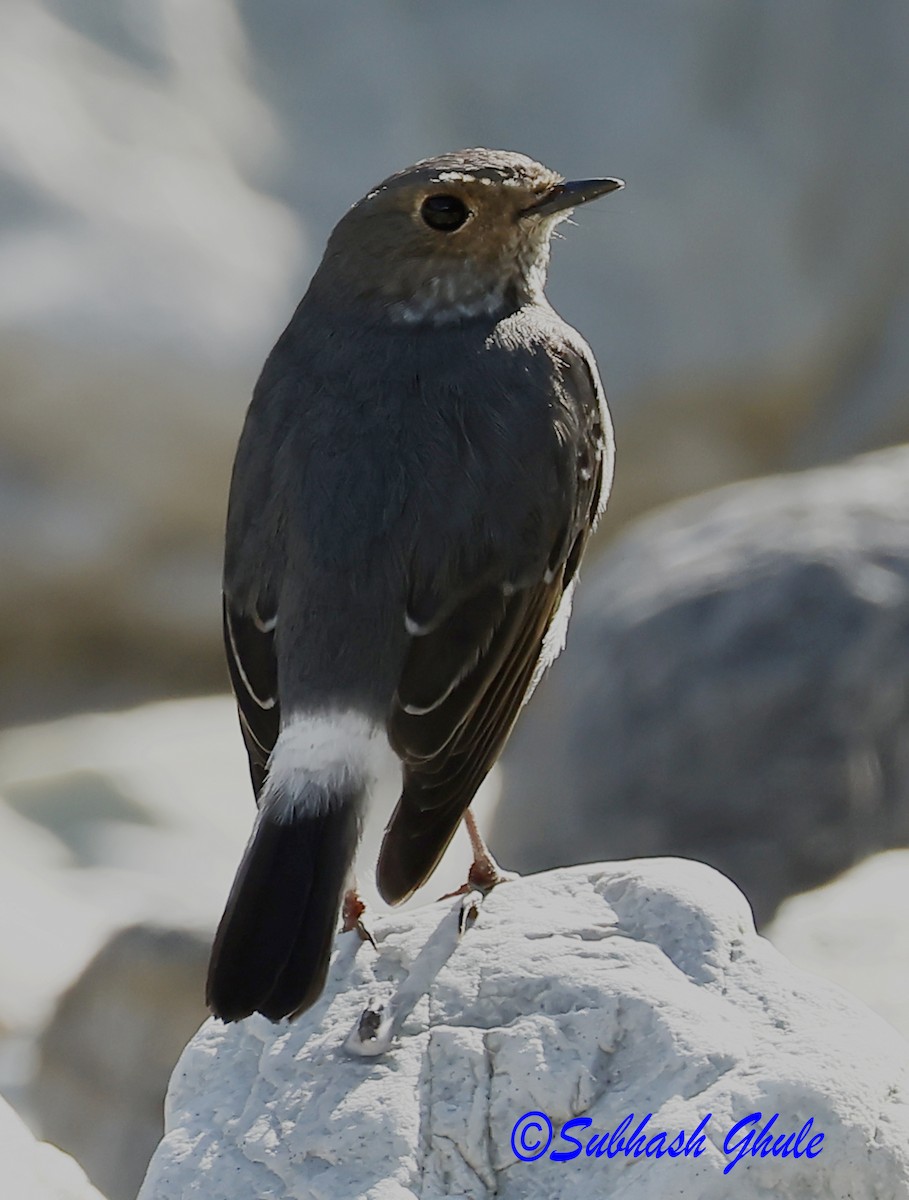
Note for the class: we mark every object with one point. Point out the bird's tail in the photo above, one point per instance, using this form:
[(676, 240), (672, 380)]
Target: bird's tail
[(272, 948)]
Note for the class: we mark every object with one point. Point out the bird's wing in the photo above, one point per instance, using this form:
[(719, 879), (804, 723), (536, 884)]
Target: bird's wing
[(465, 680), (249, 643)]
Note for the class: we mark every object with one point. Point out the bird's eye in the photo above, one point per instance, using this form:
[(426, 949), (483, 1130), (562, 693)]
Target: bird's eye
[(445, 213)]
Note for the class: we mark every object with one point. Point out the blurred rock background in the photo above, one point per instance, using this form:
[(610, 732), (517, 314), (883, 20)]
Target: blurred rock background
[(735, 689), (168, 175)]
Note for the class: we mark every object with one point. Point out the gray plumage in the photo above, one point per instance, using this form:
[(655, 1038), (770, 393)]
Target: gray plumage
[(426, 452)]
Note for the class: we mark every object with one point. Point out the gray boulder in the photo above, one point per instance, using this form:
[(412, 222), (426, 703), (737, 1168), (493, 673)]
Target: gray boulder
[(107, 1054), (735, 689)]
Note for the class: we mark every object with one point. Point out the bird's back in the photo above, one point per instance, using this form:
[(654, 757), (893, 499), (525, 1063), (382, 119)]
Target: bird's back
[(396, 474)]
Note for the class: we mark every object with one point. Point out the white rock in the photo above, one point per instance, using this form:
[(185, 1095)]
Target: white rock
[(855, 932), (33, 1170), (638, 987)]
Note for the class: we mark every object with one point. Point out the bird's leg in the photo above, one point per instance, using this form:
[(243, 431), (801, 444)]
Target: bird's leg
[(484, 874), (352, 911)]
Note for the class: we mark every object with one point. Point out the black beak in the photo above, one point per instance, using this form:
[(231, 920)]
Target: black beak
[(570, 195)]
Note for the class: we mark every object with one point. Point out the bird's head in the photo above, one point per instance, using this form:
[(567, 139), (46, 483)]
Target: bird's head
[(452, 237)]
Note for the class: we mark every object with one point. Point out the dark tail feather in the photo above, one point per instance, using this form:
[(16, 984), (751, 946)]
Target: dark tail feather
[(273, 945)]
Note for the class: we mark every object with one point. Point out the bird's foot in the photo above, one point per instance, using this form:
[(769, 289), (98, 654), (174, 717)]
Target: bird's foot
[(352, 911), (483, 876)]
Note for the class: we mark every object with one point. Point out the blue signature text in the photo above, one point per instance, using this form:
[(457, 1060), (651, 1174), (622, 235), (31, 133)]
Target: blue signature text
[(534, 1137)]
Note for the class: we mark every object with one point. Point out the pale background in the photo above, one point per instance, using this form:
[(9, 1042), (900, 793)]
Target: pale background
[(169, 172)]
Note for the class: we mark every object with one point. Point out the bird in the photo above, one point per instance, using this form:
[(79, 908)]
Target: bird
[(426, 453)]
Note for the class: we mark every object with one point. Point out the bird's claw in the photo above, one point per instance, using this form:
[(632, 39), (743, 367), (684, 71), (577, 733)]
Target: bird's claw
[(372, 1035), (352, 918), (365, 935), (469, 908), (483, 876)]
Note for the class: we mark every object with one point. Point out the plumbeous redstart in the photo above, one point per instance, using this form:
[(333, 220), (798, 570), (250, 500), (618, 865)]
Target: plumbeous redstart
[(426, 452)]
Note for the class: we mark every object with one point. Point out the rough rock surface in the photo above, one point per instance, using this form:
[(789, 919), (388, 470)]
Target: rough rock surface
[(636, 987), (169, 173), (105, 1058), (33, 1170), (735, 689)]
